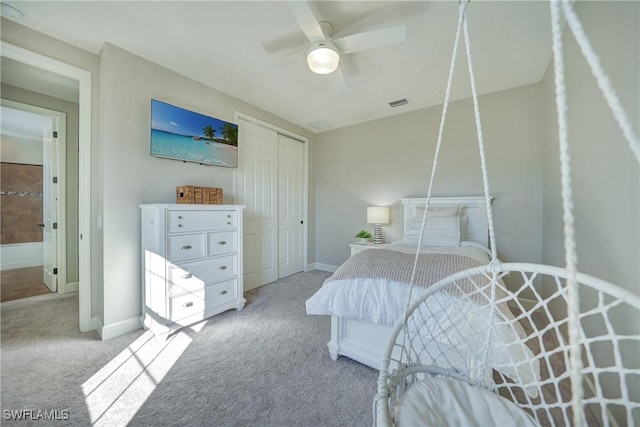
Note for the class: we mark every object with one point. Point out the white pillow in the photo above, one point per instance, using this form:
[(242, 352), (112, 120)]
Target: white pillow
[(442, 228)]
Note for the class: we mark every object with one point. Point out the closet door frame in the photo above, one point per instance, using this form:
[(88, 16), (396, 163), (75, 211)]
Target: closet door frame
[(238, 117)]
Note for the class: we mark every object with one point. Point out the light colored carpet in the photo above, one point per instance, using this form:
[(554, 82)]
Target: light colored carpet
[(266, 365)]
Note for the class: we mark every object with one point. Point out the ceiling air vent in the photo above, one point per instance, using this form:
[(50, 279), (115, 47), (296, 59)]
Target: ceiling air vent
[(398, 102)]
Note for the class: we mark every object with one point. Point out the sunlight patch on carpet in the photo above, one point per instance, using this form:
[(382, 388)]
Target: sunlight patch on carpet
[(116, 392)]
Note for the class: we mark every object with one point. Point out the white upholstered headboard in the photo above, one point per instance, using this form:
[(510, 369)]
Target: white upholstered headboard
[(473, 217)]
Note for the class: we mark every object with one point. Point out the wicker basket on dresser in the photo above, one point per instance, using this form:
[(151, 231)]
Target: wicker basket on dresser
[(192, 263)]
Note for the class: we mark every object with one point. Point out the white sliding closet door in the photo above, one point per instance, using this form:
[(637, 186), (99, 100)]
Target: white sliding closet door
[(290, 206), (257, 190)]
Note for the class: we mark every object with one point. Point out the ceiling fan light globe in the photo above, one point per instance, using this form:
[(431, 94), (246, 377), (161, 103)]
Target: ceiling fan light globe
[(323, 60)]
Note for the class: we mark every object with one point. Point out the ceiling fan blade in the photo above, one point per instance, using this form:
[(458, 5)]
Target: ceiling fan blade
[(387, 16), (307, 20), (337, 82), (371, 39), (281, 61)]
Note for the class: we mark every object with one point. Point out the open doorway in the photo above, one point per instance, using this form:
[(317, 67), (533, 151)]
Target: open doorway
[(33, 221), (59, 71)]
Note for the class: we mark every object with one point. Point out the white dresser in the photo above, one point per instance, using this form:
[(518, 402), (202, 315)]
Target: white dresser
[(191, 263)]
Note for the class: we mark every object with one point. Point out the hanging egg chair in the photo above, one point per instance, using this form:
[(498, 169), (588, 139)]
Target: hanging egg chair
[(562, 349)]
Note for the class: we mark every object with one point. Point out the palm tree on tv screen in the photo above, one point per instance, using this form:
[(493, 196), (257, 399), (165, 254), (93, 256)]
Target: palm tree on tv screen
[(209, 132), (230, 133)]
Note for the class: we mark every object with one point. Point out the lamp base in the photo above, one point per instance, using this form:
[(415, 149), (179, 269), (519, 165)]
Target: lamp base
[(377, 234)]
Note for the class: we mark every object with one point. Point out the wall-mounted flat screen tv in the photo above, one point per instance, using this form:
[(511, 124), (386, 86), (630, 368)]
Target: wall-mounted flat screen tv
[(185, 135)]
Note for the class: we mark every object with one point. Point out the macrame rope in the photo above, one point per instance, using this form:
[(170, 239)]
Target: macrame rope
[(494, 264), (603, 81), (573, 296), (443, 119), (483, 159)]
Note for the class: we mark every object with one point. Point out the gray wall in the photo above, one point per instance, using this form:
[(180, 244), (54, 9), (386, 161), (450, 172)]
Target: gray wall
[(71, 180), (606, 177), (380, 162)]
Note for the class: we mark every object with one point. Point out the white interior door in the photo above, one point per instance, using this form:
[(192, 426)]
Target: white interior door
[(257, 190), (50, 207), (290, 206)]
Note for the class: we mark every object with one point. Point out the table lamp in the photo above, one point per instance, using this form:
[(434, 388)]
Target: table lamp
[(377, 215)]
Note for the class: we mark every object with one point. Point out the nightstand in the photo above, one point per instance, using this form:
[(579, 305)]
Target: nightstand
[(359, 247)]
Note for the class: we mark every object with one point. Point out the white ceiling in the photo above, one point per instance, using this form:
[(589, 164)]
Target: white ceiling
[(225, 45)]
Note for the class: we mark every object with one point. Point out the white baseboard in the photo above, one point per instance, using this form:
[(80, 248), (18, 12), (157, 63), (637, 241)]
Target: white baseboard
[(120, 328), (323, 267), (70, 287)]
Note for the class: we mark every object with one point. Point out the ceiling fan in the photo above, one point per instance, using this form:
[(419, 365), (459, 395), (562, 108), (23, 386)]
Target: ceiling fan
[(325, 50)]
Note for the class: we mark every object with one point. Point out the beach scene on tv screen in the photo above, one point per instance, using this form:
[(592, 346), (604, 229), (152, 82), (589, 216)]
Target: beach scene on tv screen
[(181, 134)]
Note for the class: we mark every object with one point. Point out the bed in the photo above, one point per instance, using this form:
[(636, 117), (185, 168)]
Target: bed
[(364, 306)]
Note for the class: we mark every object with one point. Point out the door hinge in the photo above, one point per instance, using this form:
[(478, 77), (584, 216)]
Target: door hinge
[(55, 225), (55, 179), (55, 133), (55, 270)]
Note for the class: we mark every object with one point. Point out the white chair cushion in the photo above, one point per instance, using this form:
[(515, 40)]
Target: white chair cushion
[(449, 402)]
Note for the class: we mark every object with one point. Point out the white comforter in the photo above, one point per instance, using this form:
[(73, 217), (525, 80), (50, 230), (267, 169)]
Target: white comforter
[(377, 300), (384, 302)]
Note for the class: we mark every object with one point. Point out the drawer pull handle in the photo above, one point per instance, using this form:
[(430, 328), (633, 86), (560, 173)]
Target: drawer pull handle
[(179, 216), (222, 267), (187, 276), (187, 304), (223, 293), (228, 222), (186, 247), (222, 242), (228, 216), (179, 225)]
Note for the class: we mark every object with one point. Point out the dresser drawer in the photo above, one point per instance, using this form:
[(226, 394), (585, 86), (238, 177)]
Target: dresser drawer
[(221, 242), (197, 303), (186, 305), (220, 293), (185, 221), (194, 276), (189, 246)]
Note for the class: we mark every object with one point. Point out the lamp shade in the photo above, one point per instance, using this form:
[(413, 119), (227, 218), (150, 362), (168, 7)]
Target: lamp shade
[(323, 58), (378, 215)]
